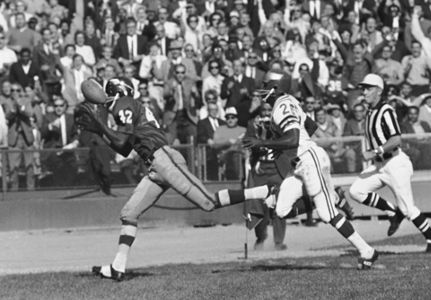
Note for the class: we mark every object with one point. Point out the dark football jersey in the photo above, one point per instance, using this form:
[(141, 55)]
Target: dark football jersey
[(133, 118)]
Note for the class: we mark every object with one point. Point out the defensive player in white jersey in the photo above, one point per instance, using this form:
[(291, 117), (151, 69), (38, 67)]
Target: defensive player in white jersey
[(311, 171)]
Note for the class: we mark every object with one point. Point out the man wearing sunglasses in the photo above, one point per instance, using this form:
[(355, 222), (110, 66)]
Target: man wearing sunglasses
[(19, 111)]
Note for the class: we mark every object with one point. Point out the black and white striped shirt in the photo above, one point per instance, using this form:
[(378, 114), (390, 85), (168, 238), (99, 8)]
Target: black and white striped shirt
[(381, 124)]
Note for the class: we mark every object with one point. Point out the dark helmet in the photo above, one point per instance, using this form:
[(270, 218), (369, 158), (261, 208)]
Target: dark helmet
[(274, 85), (119, 87)]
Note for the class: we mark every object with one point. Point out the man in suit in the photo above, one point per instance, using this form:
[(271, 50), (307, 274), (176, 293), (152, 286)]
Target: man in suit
[(252, 70), (184, 95), (24, 71), (144, 27), (73, 79), (206, 129), (418, 149), (237, 88), (59, 132), (354, 127), (161, 39), (131, 47), (46, 57), (19, 112), (167, 69)]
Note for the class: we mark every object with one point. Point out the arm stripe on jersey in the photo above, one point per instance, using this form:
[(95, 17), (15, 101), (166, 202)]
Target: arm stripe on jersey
[(393, 123), (287, 120)]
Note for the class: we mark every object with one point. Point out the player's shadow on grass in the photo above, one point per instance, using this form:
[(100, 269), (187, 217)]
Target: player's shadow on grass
[(273, 267), (385, 253), (132, 274)]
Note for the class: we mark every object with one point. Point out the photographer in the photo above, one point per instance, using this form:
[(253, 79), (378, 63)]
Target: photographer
[(264, 171)]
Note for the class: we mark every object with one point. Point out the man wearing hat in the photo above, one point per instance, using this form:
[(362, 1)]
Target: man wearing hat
[(391, 166), (167, 67), (227, 139)]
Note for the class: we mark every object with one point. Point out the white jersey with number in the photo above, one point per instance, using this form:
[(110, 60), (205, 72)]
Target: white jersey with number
[(287, 114)]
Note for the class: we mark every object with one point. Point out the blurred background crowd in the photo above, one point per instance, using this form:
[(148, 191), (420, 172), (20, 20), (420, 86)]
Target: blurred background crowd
[(199, 65)]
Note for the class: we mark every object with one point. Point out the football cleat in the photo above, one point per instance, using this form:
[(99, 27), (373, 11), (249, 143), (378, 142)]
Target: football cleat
[(280, 247), (428, 249), (395, 222), (343, 204), (115, 275), (366, 263)]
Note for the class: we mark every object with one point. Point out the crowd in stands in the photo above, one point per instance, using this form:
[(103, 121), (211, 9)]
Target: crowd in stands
[(199, 65)]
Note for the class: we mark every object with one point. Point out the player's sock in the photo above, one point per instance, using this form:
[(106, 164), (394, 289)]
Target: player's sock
[(374, 200), (346, 229), (127, 236), (422, 224), (259, 192), (229, 197)]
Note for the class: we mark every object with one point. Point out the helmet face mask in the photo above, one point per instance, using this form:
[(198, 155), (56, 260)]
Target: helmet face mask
[(119, 87)]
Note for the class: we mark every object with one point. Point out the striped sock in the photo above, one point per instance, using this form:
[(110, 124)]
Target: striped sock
[(345, 228), (127, 236), (422, 224), (374, 200)]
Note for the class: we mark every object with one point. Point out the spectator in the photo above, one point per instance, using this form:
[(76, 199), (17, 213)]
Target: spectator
[(84, 50), (162, 40), (252, 69), (73, 79), (171, 28), (354, 126), (67, 60), (214, 81), (227, 139), (238, 87), (425, 111), (418, 149), (25, 70), (144, 27), (211, 96), (205, 135), (166, 71), (7, 56), (47, 58), (182, 94), (308, 107), (21, 36), (416, 67), (390, 70), (59, 132), (131, 47), (109, 35), (19, 112), (152, 62), (190, 53), (92, 37)]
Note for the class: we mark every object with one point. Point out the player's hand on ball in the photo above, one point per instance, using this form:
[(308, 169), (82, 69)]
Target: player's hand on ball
[(369, 155), (250, 142)]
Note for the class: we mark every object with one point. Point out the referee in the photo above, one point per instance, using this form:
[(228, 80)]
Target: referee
[(391, 166)]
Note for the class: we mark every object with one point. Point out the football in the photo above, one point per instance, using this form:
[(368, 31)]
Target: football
[(93, 91)]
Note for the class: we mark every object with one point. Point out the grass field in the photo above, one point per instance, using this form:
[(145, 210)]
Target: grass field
[(395, 276)]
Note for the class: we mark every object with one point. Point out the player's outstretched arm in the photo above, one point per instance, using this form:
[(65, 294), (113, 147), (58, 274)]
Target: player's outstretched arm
[(289, 140)]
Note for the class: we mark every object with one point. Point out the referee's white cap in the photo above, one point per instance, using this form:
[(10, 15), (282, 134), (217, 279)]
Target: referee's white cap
[(372, 80)]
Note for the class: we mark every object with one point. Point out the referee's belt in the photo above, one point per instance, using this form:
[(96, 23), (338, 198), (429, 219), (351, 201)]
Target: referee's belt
[(387, 155)]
